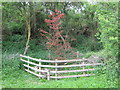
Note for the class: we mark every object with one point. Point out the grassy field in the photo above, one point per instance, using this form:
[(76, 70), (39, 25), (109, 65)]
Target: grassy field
[(15, 77), (22, 79)]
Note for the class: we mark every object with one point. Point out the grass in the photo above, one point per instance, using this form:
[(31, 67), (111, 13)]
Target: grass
[(22, 79), (15, 77)]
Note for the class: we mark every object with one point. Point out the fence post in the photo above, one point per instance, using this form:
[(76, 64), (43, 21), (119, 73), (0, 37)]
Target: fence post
[(39, 68), (48, 74), (83, 66), (56, 69), (77, 54), (28, 62), (49, 55)]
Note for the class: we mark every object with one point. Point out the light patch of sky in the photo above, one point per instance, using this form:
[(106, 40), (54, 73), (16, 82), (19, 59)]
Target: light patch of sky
[(92, 2), (78, 10)]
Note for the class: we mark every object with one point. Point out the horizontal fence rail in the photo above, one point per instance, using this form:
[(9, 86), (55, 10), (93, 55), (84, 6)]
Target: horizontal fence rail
[(68, 71), (34, 73), (35, 67), (63, 66), (65, 71), (72, 76), (53, 61)]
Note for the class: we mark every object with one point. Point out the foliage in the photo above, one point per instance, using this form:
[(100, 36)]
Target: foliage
[(12, 21), (21, 79), (57, 42), (85, 44), (108, 35), (92, 29)]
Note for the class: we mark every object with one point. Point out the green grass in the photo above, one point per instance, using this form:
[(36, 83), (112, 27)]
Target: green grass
[(22, 79), (15, 77)]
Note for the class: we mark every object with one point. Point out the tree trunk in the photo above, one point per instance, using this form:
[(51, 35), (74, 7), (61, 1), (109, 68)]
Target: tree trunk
[(28, 34)]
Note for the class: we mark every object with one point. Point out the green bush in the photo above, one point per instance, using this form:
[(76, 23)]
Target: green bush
[(108, 27), (85, 44)]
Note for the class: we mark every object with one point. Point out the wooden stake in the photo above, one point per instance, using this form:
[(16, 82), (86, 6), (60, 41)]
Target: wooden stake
[(56, 69), (83, 67), (48, 75), (28, 63), (49, 55), (77, 54), (39, 68)]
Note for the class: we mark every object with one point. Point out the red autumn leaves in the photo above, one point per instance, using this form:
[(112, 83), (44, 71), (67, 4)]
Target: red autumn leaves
[(56, 42), (55, 16), (54, 24)]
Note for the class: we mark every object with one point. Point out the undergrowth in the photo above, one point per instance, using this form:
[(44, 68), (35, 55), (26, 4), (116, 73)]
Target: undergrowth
[(13, 76)]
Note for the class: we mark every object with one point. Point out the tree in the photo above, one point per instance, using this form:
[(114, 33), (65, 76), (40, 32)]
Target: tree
[(56, 41), (108, 35)]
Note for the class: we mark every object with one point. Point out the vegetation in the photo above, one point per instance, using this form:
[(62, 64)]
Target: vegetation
[(92, 30)]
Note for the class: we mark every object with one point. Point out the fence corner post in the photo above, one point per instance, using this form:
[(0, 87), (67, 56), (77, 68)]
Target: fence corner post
[(48, 74), (39, 68)]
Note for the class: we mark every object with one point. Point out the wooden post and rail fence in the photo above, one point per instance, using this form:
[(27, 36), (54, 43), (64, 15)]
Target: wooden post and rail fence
[(38, 68)]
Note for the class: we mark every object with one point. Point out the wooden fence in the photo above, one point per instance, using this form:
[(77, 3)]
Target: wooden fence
[(38, 67)]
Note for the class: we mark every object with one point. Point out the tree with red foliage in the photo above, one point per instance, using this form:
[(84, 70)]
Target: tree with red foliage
[(56, 41)]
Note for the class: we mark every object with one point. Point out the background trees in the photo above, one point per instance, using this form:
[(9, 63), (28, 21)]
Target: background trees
[(92, 28), (108, 35)]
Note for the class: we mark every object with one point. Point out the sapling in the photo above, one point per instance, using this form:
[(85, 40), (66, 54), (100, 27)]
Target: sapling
[(57, 42)]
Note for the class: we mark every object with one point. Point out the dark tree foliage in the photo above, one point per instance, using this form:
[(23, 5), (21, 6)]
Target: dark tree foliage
[(89, 26)]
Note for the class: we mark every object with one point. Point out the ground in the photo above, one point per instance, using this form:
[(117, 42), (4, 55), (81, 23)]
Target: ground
[(22, 79), (15, 77)]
